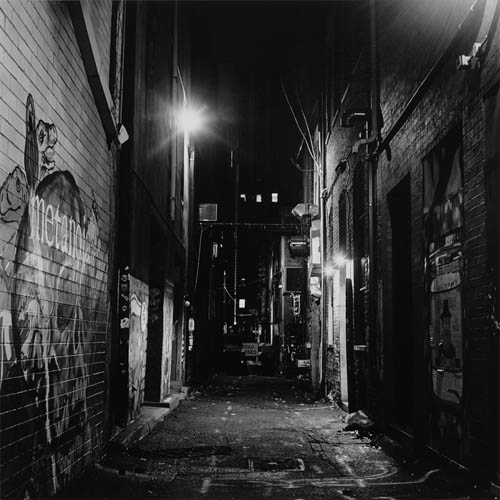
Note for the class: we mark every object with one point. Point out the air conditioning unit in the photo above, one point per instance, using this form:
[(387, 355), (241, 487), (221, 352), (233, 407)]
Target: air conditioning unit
[(207, 212)]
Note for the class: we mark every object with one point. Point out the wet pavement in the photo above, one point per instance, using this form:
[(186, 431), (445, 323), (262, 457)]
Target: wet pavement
[(265, 438)]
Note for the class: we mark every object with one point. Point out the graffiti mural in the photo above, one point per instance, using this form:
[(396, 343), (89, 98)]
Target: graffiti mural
[(52, 281), (138, 333), (168, 320), (443, 215)]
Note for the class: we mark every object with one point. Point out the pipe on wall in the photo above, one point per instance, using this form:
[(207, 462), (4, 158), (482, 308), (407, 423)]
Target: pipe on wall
[(175, 106)]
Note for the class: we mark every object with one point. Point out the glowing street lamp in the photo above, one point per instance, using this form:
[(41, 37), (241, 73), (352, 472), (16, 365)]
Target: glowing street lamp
[(191, 120)]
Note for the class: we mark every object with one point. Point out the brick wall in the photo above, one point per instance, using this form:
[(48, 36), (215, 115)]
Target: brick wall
[(56, 200), (411, 38), (340, 181), (453, 99)]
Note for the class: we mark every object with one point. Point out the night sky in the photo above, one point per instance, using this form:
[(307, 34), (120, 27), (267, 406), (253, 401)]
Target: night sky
[(263, 44), (244, 53)]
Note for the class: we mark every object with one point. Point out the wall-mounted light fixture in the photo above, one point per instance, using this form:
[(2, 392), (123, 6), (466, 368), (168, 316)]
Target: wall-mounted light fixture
[(339, 261), (123, 136), (473, 60)]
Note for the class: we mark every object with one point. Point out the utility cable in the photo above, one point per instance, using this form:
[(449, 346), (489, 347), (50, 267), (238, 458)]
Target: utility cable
[(198, 259), (305, 120), (313, 156), (227, 291)]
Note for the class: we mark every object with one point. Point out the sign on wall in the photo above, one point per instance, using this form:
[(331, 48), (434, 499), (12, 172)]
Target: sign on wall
[(250, 349)]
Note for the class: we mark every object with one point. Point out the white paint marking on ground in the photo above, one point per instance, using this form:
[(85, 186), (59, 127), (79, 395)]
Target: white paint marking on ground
[(205, 485), (327, 482)]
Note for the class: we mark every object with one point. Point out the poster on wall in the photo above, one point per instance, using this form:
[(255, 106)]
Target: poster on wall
[(444, 268)]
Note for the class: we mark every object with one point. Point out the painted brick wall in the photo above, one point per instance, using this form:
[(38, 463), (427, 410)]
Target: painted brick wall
[(55, 217), (453, 99)]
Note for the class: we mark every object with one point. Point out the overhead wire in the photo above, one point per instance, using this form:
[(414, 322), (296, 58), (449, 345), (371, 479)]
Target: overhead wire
[(308, 146), (305, 120), (198, 258)]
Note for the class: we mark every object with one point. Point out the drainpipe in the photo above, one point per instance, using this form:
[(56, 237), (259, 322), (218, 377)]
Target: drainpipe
[(324, 197), (372, 141), (173, 153), (236, 165), (372, 187)]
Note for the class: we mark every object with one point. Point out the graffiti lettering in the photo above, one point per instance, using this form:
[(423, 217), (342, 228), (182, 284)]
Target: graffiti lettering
[(62, 232)]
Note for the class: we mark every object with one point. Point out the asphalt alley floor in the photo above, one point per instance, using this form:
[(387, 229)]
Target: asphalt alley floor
[(265, 438)]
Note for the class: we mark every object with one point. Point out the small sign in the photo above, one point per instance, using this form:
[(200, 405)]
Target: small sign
[(303, 363), (250, 349)]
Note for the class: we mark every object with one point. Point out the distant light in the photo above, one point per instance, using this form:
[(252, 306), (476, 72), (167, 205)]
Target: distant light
[(340, 260), (241, 303), (243, 197), (258, 198), (328, 270), (191, 120), (274, 197)]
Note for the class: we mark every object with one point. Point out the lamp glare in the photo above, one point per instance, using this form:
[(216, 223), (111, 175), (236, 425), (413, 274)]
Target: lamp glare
[(191, 120)]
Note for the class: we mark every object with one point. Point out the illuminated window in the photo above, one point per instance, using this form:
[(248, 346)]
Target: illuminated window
[(258, 198), (274, 197), (243, 197), (241, 303)]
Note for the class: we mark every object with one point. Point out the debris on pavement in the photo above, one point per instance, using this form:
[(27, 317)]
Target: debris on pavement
[(358, 420)]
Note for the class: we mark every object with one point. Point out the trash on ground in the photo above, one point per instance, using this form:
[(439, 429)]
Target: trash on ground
[(358, 420)]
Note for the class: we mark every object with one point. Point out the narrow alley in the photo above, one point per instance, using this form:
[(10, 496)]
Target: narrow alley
[(253, 437), (250, 249)]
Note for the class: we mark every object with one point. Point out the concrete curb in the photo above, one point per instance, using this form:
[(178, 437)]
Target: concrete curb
[(152, 413)]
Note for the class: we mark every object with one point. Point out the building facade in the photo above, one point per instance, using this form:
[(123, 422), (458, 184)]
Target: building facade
[(410, 307), (94, 186), (155, 183)]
